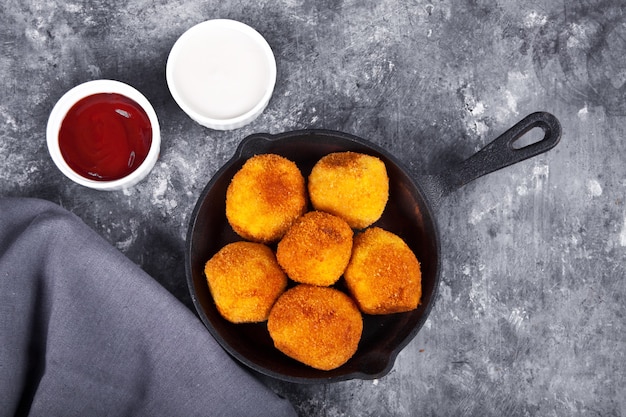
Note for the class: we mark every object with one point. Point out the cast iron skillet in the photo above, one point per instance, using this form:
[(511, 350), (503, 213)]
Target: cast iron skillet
[(409, 214)]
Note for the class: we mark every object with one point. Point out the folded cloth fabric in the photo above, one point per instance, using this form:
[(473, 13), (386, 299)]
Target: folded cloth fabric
[(85, 332)]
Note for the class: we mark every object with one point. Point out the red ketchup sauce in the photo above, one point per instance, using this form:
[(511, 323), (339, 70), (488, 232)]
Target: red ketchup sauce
[(105, 136)]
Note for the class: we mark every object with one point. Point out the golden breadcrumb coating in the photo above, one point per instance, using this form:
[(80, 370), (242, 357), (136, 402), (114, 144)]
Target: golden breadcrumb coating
[(351, 185), (383, 275), (245, 280), (318, 326), (316, 249), (265, 197)]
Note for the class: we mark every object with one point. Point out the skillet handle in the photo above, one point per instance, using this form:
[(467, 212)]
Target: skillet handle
[(501, 153)]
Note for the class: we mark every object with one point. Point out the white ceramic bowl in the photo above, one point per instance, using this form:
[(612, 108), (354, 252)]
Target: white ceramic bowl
[(221, 73), (68, 100)]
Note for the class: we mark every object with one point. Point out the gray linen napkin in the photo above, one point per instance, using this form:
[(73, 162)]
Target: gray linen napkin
[(85, 332)]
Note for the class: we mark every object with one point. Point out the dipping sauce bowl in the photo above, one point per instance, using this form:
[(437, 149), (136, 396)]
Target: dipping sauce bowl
[(221, 73), (104, 134)]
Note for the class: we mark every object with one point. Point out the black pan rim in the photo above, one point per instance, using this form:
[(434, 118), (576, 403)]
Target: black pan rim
[(240, 152)]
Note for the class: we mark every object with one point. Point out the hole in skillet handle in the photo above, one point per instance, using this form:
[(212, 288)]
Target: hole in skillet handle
[(509, 148), (534, 135)]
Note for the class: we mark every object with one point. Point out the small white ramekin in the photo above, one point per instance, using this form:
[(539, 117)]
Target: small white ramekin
[(67, 101), (221, 73)]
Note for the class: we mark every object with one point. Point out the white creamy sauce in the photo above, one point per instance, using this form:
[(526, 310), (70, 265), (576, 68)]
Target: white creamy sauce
[(221, 73)]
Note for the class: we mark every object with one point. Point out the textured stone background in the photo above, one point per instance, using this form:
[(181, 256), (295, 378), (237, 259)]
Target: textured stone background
[(530, 315)]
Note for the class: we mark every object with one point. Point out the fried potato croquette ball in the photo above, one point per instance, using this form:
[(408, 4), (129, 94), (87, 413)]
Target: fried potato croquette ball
[(316, 249), (318, 326), (265, 197), (351, 185), (383, 275), (245, 280)]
